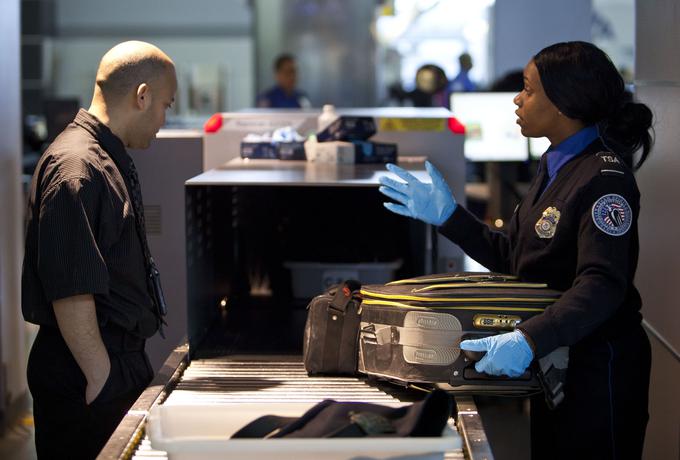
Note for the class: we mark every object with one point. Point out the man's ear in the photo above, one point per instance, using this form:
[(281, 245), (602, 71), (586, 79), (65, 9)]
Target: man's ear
[(143, 96)]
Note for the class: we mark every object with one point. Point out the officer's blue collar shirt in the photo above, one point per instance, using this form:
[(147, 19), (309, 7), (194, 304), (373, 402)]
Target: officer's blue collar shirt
[(566, 150)]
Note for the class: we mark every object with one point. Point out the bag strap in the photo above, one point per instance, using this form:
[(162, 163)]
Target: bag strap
[(335, 322), (344, 294)]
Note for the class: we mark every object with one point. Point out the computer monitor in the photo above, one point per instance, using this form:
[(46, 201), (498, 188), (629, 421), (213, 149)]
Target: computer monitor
[(491, 129), (537, 147)]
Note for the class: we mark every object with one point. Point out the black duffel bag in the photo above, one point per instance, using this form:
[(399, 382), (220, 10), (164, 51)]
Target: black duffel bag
[(330, 344)]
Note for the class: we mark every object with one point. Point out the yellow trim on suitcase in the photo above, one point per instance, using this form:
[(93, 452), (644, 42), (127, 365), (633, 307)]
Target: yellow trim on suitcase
[(458, 299), (481, 284), (389, 303), (445, 278)]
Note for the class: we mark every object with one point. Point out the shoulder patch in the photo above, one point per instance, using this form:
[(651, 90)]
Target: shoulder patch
[(608, 157), (612, 214), (610, 164)]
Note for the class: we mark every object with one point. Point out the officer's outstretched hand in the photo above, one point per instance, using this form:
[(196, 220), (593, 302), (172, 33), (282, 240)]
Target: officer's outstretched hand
[(507, 354), (432, 203)]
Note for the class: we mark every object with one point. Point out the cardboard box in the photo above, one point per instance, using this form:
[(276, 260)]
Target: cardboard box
[(330, 152), (291, 151), (259, 150), (375, 152)]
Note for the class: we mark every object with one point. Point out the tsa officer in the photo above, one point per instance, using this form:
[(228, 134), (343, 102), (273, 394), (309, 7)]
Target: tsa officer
[(576, 230)]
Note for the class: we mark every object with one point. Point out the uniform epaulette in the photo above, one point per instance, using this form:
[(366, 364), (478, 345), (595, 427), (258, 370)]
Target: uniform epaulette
[(611, 164)]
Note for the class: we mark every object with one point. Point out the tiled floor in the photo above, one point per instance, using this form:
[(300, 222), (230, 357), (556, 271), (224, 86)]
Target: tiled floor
[(17, 443), (18, 440)]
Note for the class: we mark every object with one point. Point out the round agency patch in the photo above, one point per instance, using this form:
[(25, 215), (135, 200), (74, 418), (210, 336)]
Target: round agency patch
[(612, 214)]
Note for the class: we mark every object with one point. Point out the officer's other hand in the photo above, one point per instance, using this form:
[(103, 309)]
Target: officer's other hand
[(506, 354), (96, 383), (432, 203)]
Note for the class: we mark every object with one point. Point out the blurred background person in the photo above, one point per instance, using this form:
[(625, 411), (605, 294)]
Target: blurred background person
[(462, 82), (430, 90), (284, 94)]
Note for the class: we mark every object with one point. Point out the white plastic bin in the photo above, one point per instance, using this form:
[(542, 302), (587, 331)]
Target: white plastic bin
[(312, 278), (201, 432)]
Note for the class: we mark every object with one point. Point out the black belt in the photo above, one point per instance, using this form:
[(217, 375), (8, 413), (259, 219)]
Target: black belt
[(118, 339)]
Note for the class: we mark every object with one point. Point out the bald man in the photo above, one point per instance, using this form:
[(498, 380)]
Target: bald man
[(89, 280)]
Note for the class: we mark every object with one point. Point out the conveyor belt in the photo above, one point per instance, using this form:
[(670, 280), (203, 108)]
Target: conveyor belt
[(226, 380), (263, 379)]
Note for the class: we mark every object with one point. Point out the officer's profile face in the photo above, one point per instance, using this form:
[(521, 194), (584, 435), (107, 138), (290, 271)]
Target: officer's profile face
[(537, 115), (286, 75)]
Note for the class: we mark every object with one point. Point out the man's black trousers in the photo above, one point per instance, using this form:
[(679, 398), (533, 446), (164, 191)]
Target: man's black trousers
[(65, 426)]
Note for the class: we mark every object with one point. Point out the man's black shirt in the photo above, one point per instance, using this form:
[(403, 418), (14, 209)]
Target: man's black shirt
[(81, 236)]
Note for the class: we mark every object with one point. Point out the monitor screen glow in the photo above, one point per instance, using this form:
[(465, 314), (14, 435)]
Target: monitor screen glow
[(538, 146), (492, 132)]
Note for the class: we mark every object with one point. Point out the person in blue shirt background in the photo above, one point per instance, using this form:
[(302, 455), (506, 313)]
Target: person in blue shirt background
[(462, 83), (576, 231), (284, 95)]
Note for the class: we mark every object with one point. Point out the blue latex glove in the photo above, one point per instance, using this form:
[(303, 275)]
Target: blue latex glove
[(432, 203), (508, 353)]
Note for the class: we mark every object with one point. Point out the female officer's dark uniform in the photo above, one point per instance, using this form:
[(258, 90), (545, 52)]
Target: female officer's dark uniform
[(580, 236)]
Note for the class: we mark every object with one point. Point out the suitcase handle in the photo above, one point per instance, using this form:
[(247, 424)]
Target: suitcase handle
[(344, 294)]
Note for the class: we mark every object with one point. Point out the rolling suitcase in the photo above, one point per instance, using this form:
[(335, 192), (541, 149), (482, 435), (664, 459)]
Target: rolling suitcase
[(411, 329)]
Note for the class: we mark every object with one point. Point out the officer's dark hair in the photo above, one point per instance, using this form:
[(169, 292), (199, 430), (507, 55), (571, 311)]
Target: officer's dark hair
[(281, 60), (582, 82)]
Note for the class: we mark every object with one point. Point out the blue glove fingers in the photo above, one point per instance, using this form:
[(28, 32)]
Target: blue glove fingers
[(508, 354), (437, 178), (439, 184), (514, 373), (396, 196), (398, 209), (484, 365), (402, 173), (476, 345), (396, 185)]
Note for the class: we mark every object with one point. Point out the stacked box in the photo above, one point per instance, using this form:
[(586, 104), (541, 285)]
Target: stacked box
[(358, 131), (291, 151), (375, 152), (259, 150), (346, 128)]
